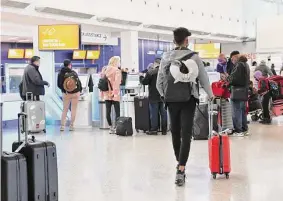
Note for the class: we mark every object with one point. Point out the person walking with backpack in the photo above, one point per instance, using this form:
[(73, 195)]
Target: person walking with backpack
[(155, 103), (111, 94), (71, 87), (177, 82)]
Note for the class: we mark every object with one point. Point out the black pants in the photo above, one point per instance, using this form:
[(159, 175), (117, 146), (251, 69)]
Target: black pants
[(182, 121), (109, 104), (265, 106)]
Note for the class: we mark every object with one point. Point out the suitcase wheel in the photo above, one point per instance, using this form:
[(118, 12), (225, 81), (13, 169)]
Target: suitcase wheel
[(227, 175), (44, 130), (255, 117), (214, 176)]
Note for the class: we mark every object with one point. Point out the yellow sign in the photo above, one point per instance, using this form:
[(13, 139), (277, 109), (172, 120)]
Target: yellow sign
[(79, 54), (16, 53), (28, 53), (93, 54), (208, 51), (58, 37)]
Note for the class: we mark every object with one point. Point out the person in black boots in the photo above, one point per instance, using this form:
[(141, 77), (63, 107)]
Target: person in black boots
[(156, 105), (179, 73)]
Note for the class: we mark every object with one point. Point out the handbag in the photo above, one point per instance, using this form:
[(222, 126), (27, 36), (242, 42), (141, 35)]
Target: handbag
[(239, 93)]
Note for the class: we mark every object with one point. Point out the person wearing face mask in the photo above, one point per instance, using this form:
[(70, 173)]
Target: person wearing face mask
[(32, 81), (230, 65), (155, 103), (221, 66), (112, 97), (239, 80)]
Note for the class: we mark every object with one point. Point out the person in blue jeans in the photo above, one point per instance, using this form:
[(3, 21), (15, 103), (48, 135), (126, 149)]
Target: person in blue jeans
[(156, 105), (239, 80)]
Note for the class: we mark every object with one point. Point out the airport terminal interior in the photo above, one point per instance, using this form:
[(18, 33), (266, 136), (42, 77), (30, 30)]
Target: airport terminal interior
[(94, 162)]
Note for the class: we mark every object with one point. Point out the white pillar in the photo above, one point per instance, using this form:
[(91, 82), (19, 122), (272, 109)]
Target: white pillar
[(47, 63), (130, 50)]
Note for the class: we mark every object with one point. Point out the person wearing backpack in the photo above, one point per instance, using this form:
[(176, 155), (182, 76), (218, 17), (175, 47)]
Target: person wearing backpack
[(69, 83), (109, 85), (177, 82)]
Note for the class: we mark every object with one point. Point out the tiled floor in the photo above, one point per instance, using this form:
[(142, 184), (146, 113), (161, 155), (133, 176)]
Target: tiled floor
[(94, 165)]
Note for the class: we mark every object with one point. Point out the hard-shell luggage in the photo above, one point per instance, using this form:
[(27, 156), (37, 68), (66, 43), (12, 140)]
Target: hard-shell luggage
[(42, 166), (277, 107), (124, 126), (35, 111), (219, 150), (142, 114), (14, 184)]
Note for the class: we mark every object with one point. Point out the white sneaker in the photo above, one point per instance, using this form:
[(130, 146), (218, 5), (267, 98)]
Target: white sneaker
[(238, 134), (112, 130), (246, 133)]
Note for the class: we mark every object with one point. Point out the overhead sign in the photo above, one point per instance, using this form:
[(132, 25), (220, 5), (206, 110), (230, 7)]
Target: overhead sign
[(28, 53), (79, 54), (16, 53), (208, 51), (95, 37), (59, 37), (93, 54)]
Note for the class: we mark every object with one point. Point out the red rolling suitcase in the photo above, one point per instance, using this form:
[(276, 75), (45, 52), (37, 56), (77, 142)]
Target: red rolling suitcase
[(219, 149)]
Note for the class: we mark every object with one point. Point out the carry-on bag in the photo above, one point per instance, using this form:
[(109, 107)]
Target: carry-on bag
[(41, 164), (220, 89), (219, 149), (142, 113), (277, 107), (35, 111), (124, 125), (14, 181)]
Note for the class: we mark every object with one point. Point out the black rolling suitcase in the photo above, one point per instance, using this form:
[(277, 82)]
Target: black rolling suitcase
[(142, 115), (42, 166), (14, 185)]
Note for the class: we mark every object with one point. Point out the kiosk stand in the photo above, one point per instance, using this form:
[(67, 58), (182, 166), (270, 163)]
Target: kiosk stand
[(84, 109)]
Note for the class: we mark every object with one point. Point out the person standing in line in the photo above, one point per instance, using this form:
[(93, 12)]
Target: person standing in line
[(239, 80), (71, 90), (156, 105), (264, 69), (180, 92), (32, 81), (230, 64), (273, 69), (221, 66), (112, 97)]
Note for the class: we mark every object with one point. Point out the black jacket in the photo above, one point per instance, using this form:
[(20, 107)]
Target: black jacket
[(229, 67), (61, 77), (150, 80), (32, 81), (240, 75)]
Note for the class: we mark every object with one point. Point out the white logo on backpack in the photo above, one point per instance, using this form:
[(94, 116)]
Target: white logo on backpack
[(181, 77)]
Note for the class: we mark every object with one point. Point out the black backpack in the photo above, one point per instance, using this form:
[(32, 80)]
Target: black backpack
[(103, 84), (181, 91)]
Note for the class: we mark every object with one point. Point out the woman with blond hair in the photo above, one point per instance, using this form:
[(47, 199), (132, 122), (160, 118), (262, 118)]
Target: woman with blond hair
[(112, 96)]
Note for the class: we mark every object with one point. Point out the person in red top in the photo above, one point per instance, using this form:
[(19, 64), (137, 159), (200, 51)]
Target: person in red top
[(112, 97)]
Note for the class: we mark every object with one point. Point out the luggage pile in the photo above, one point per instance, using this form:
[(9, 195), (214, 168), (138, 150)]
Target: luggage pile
[(29, 172)]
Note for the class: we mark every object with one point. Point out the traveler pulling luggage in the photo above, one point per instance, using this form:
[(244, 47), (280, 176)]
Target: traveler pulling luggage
[(219, 149), (14, 185), (35, 111), (41, 165)]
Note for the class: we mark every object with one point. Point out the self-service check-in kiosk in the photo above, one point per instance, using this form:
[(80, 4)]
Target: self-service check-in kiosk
[(84, 109)]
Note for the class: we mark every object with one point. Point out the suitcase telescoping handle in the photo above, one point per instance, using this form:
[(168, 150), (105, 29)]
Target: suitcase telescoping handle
[(22, 120), (31, 96)]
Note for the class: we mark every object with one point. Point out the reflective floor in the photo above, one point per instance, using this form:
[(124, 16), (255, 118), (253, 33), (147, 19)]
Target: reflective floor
[(94, 165)]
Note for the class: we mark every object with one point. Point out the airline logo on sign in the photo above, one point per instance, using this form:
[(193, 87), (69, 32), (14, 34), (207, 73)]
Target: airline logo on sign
[(95, 38)]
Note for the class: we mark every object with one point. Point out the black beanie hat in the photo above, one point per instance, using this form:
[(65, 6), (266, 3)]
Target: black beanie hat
[(234, 53)]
